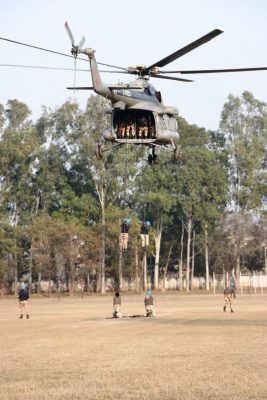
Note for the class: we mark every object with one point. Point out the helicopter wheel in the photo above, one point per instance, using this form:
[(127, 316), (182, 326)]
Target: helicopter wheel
[(98, 152), (177, 152)]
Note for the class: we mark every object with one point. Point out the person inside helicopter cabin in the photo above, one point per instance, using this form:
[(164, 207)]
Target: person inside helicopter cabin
[(122, 130), (143, 127), (149, 304), (229, 293), (130, 129), (124, 236), (144, 233), (117, 306)]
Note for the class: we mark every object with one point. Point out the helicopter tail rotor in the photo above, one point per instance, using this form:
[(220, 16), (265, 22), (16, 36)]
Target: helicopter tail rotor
[(75, 48), (69, 33)]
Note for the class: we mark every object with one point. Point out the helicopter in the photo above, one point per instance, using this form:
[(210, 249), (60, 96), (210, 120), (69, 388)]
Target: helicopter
[(138, 115)]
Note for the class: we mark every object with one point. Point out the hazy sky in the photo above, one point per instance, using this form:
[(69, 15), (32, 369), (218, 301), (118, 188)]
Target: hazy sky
[(140, 32)]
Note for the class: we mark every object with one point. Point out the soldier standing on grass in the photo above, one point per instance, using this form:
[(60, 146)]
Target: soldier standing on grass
[(229, 292), (117, 306), (23, 301), (149, 304)]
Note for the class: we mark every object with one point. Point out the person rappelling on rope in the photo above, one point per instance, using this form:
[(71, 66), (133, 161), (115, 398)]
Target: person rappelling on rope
[(124, 236), (144, 233)]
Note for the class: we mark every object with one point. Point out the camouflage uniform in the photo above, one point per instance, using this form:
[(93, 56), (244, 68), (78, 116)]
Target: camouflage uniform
[(23, 301), (228, 293), (117, 306), (149, 304), (124, 236), (144, 234)]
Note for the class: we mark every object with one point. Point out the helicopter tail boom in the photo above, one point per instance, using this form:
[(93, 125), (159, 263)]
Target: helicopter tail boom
[(98, 85)]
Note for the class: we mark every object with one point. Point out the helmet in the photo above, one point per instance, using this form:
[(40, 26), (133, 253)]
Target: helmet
[(147, 222), (232, 284), (128, 221), (23, 286), (149, 293)]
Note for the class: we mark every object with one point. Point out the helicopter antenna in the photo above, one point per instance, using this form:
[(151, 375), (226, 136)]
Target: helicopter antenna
[(74, 50)]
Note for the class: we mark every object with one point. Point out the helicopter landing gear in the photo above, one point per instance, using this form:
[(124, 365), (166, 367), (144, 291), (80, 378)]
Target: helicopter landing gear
[(177, 152), (152, 157), (98, 152)]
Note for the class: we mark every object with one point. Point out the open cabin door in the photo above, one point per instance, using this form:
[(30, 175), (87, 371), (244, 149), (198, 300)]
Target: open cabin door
[(133, 125)]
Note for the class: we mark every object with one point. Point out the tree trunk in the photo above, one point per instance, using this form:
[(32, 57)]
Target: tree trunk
[(137, 286), (88, 282), (207, 258), (189, 230), (98, 281), (30, 268), (181, 259), (70, 283), (145, 270), (103, 240), (16, 275), (236, 266), (49, 284), (193, 260), (39, 282), (157, 238), (165, 269), (265, 259), (120, 270)]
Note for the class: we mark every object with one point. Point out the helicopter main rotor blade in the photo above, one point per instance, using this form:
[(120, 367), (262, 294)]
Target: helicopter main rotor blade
[(212, 71), (181, 52), (170, 77), (110, 87), (59, 53)]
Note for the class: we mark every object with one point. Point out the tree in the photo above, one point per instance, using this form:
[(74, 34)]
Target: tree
[(201, 187), (244, 124), (157, 199)]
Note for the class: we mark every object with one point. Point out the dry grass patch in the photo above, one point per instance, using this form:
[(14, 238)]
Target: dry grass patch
[(192, 350)]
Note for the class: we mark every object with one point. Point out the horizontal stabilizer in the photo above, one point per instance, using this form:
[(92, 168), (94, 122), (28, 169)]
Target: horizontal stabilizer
[(81, 88)]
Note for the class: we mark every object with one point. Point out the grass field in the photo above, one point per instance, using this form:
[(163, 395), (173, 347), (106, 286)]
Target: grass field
[(71, 349)]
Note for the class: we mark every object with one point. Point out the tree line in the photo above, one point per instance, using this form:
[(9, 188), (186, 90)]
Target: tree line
[(61, 208)]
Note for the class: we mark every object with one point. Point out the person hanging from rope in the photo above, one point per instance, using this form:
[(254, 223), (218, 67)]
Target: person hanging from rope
[(124, 236), (144, 233)]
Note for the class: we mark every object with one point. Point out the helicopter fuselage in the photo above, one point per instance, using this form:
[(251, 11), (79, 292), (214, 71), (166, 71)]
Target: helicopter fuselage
[(138, 114)]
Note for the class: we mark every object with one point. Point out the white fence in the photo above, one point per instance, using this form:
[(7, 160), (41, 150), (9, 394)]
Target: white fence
[(248, 283), (255, 282)]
